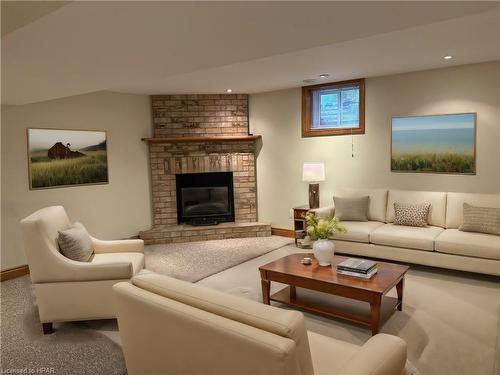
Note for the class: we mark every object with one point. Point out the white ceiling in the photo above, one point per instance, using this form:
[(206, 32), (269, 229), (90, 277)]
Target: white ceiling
[(16, 14), (173, 47)]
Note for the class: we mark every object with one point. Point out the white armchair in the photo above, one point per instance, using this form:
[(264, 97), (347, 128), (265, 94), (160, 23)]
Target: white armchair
[(67, 290)]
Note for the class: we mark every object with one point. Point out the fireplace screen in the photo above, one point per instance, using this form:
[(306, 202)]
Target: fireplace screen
[(202, 201), (205, 198)]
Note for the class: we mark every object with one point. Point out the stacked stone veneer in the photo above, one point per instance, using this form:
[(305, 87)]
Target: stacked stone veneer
[(176, 116)]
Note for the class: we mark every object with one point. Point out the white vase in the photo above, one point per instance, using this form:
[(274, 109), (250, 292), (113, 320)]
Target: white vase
[(323, 250)]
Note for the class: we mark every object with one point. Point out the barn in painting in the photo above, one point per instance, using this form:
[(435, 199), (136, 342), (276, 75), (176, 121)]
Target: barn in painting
[(59, 151)]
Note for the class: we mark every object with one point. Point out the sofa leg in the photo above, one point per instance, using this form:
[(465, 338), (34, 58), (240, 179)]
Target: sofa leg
[(47, 328)]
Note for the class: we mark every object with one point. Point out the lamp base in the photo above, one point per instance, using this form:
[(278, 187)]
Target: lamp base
[(313, 195)]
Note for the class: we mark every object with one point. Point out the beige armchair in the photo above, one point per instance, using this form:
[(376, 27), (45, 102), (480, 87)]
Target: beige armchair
[(67, 290), (169, 326)]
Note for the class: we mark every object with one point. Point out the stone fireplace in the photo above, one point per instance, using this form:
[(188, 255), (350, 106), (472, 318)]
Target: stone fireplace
[(202, 134)]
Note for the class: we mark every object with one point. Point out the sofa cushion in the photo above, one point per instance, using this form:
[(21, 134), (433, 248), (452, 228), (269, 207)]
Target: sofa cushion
[(421, 238), (413, 215), (137, 259), (351, 208), (378, 201), (289, 324), (437, 213), (480, 245), (358, 231), (481, 219), (455, 205)]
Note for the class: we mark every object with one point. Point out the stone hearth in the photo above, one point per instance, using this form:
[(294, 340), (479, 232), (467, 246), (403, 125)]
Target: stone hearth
[(214, 117)]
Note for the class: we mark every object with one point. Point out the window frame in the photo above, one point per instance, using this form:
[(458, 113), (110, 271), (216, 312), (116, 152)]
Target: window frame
[(307, 94)]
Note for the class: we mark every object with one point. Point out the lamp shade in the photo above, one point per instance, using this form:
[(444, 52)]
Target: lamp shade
[(313, 172)]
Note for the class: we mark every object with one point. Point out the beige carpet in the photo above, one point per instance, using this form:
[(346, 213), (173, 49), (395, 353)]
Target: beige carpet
[(73, 349), (193, 261), (450, 320)]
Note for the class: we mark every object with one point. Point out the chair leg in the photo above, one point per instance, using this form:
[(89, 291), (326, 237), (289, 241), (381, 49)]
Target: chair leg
[(47, 328)]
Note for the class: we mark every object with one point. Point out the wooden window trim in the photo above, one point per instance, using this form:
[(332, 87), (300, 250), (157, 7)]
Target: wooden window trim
[(307, 131)]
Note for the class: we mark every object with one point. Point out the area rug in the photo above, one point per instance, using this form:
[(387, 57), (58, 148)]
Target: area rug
[(193, 261), (72, 349)]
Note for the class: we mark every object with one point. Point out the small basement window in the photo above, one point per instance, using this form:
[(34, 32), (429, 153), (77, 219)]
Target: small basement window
[(336, 108)]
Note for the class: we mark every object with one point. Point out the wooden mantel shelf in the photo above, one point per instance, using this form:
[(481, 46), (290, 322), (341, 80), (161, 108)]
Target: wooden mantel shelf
[(240, 138)]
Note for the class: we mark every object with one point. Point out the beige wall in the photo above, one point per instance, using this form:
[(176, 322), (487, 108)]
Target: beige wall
[(123, 207), (276, 115), (115, 210)]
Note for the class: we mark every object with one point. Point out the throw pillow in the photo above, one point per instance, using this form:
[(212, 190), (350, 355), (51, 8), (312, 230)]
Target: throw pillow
[(75, 243), (413, 215), (481, 219), (351, 209)]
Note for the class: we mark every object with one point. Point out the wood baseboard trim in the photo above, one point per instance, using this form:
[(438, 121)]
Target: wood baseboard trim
[(283, 232), (12, 273)]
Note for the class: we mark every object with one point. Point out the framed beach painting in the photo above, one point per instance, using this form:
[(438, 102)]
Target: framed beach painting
[(61, 158), (434, 144)]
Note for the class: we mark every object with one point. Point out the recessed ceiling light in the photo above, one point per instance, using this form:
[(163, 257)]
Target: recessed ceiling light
[(324, 75), (229, 90), (448, 57), (309, 80)]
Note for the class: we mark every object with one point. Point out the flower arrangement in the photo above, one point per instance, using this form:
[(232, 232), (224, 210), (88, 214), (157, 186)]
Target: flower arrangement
[(319, 228)]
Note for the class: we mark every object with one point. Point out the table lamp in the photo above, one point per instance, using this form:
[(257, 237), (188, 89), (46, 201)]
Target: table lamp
[(313, 173)]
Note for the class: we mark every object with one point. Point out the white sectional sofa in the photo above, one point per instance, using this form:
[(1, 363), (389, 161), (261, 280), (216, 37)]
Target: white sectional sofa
[(440, 244)]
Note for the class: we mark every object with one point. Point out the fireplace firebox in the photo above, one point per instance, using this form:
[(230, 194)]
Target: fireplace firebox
[(205, 198)]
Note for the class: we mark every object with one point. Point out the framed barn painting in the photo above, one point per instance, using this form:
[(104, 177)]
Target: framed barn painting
[(434, 144), (62, 158)]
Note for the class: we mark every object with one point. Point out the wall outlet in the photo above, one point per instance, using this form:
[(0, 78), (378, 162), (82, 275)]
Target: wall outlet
[(290, 213)]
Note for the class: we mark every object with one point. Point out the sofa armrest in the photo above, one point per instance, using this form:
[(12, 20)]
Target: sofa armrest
[(324, 212), (118, 246), (381, 355)]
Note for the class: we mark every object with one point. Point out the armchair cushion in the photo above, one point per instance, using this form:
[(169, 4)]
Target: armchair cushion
[(75, 243)]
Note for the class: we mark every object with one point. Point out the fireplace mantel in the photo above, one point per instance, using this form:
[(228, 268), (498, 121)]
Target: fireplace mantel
[(238, 138)]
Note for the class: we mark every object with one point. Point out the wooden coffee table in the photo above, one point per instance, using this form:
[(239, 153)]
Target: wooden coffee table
[(351, 293)]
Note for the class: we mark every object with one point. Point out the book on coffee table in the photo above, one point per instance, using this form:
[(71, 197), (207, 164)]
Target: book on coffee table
[(356, 274), (357, 267)]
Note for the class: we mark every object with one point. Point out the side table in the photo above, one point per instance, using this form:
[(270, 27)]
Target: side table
[(299, 223)]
